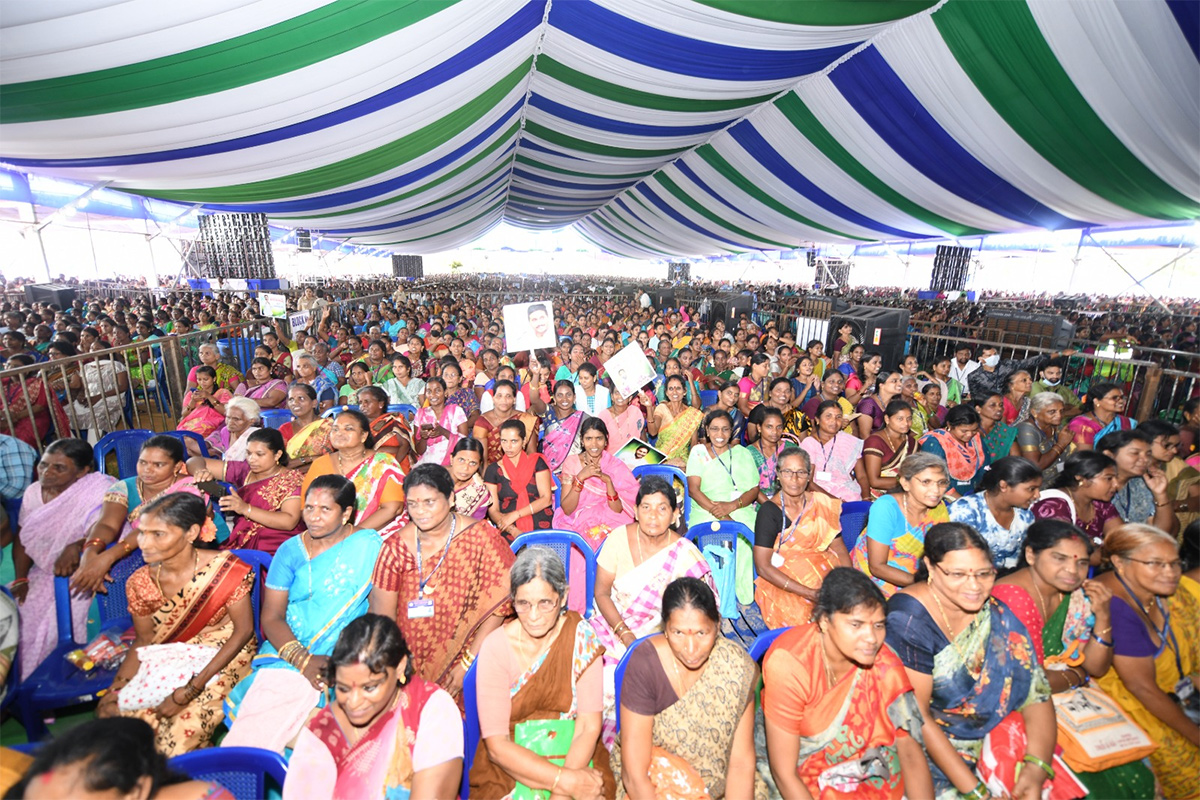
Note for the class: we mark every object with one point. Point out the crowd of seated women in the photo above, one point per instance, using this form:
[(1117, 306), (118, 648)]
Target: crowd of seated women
[(916, 650)]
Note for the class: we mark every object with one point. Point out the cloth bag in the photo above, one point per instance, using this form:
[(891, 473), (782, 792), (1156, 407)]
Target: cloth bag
[(163, 668), (1094, 732), (722, 561), (546, 737)]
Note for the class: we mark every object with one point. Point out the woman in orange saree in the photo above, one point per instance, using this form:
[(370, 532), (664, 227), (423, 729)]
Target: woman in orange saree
[(797, 541)]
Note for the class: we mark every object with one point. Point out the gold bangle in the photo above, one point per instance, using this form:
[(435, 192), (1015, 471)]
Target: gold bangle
[(557, 777)]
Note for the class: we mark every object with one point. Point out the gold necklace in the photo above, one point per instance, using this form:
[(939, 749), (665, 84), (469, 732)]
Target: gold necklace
[(949, 628), (158, 573), (825, 660), (678, 676), (1041, 600)]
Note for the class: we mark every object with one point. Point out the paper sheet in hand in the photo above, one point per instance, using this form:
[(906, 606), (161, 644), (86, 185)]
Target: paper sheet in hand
[(529, 326), (272, 305), (629, 369)]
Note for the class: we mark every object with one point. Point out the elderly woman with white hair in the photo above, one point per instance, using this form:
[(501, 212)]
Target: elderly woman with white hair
[(1043, 438), (227, 377), (540, 678), (242, 418), (310, 372)]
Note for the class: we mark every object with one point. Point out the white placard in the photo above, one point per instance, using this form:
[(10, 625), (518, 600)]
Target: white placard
[(529, 326), (299, 320), (629, 369), (272, 305)]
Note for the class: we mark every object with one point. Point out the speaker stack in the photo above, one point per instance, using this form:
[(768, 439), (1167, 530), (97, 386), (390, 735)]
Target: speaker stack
[(404, 266), (236, 246), (304, 240), (950, 266), (679, 272)]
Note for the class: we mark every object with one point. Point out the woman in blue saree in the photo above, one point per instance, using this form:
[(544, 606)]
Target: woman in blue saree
[(318, 582), (975, 673)]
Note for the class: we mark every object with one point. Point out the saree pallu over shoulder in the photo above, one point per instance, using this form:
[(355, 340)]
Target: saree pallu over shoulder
[(675, 438), (1176, 762), (547, 692), (470, 586), (698, 728), (311, 441), (848, 731)]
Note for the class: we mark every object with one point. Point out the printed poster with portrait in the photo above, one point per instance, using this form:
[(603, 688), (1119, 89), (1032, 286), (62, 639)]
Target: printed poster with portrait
[(636, 453), (629, 369), (529, 326)]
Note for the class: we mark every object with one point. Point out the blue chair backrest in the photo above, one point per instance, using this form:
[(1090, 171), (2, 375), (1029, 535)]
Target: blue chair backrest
[(671, 475), (195, 437), (261, 562), (471, 735), (127, 445), (709, 397), (113, 604), (13, 507), (853, 520), (763, 641), (409, 411), (619, 676), (722, 533), (562, 543), (276, 417), (241, 770), (557, 490), (333, 412)]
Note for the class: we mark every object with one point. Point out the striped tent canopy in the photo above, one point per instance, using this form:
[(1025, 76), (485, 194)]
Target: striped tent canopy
[(656, 127)]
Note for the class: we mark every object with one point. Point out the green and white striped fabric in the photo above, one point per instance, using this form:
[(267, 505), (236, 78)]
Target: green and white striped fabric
[(657, 127)]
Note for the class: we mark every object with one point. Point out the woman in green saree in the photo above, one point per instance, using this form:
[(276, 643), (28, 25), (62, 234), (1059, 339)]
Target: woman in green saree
[(675, 423), (723, 482), (1068, 618)]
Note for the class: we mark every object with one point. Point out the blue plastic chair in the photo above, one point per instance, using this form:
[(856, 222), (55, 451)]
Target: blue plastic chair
[(13, 507), (709, 397), (562, 542), (853, 520), (557, 490), (670, 474), (763, 642), (127, 445), (333, 412), (241, 770), (55, 683), (261, 562), (409, 411), (184, 436), (471, 735), (276, 417), (619, 676)]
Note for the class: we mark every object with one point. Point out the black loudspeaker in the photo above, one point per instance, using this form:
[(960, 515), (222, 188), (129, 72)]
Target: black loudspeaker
[(304, 240), (717, 312), (679, 272), (236, 246), (405, 266), (55, 293), (736, 307), (882, 330), (950, 266), (1015, 326), (664, 299)]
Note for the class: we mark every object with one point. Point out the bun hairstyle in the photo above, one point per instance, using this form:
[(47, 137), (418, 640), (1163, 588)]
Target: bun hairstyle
[(1121, 542)]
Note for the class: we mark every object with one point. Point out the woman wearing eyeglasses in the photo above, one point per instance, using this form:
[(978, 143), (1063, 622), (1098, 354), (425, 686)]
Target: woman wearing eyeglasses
[(797, 541), (974, 671), (1156, 650), (540, 689)]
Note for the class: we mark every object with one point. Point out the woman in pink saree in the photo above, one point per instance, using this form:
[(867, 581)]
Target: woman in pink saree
[(56, 513), (204, 406)]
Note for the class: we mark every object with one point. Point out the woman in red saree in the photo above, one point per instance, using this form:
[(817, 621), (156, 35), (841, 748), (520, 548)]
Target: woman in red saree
[(389, 733), (522, 492), (444, 579), (841, 717), (392, 434), (487, 425), (194, 628), (28, 404)]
